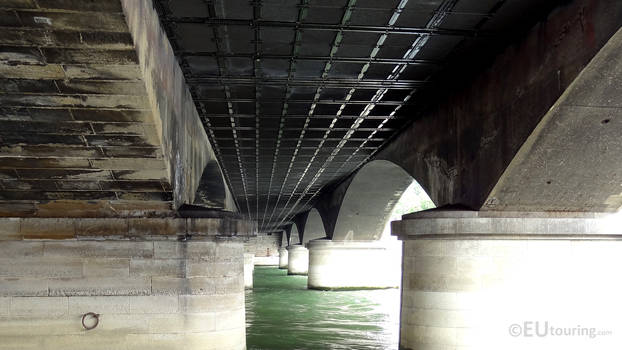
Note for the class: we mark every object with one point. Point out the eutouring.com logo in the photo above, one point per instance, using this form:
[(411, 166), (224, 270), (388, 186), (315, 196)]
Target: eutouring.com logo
[(544, 329)]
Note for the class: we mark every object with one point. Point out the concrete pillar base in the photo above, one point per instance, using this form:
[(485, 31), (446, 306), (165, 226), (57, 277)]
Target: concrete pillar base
[(283, 258), (492, 280), (249, 268), (298, 260), (335, 265)]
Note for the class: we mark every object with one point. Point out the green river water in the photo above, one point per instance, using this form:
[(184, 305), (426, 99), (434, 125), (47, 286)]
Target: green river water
[(282, 314)]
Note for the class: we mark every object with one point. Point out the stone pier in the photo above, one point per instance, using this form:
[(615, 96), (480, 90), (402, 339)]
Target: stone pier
[(150, 289), (249, 268), (352, 265), (502, 280), (298, 260), (283, 258)]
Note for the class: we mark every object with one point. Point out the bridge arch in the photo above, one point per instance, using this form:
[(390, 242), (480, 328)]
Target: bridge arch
[(314, 227), (369, 201), (212, 190), (294, 236)]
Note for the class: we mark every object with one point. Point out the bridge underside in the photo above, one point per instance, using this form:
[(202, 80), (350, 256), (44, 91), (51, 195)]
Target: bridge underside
[(297, 95), (145, 143)]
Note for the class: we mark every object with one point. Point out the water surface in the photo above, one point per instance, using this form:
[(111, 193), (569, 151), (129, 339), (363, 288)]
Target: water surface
[(282, 314)]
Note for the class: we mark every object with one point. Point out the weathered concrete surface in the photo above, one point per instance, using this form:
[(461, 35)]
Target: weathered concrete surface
[(573, 159), (184, 141), (470, 276), (459, 149)]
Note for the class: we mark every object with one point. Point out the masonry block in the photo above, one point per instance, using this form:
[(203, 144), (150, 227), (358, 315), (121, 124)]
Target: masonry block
[(106, 267), (39, 306), (9, 229), (171, 227), (18, 286), (47, 229), (99, 286)]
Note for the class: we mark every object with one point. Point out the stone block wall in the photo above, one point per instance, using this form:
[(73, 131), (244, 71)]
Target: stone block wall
[(263, 245), (152, 292)]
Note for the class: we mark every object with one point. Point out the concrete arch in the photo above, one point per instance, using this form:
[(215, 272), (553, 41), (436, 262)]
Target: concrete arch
[(314, 227), (369, 201)]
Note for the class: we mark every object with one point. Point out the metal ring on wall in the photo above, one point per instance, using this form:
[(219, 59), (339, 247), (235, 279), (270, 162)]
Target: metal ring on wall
[(92, 314)]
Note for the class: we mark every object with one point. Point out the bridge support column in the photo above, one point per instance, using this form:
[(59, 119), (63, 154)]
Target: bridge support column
[(150, 291), (249, 268), (298, 260), (494, 280), (283, 258), (352, 265)]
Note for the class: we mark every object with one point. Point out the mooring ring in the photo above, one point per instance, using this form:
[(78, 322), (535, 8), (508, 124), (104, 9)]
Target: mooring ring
[(92, 314)]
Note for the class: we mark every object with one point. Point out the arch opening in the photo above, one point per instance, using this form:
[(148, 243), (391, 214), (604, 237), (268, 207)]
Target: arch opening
[(362, 254), (294, 236), (379, 192), (212, 190), (413, 199), (314, 227)]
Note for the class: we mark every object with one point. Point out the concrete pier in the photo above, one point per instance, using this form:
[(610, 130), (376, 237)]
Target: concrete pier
[(264, 248), (298, 260), (150, 291), (283, 258), (249, 267), (493, 280), (353, 265)]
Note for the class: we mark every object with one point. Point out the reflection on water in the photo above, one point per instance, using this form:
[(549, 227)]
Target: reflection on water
[(282, 314)]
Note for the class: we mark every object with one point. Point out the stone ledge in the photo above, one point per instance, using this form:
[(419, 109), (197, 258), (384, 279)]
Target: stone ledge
[(320, 244), (16, 229), (452, 224)]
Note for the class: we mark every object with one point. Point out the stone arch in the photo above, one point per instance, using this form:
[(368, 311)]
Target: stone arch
[(369, 201), (212, 190), (284, 238), (294, 237), (314, 227)]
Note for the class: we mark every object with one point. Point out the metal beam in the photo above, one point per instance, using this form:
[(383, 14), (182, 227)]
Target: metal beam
[(392, 61), (337, 83), (332, 27)]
